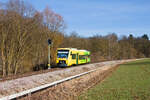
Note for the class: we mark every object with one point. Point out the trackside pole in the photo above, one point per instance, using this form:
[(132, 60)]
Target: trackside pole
[(49, 58)]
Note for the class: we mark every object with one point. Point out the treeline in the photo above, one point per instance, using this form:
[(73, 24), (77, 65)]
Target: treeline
[(24, 32), (110, 47)]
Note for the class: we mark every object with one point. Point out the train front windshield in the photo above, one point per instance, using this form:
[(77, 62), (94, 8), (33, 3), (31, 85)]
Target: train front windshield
[(62, 53)]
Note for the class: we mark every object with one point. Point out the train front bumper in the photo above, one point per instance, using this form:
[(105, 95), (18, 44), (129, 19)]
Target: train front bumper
[(62, 65)]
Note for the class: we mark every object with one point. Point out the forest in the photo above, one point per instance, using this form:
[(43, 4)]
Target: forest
[(24, 32)]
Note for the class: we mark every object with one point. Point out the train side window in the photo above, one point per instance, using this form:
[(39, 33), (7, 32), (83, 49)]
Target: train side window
[(82, 57), (73, 56)]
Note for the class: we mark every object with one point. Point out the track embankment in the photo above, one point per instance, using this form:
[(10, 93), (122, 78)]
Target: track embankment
[(64, 91)]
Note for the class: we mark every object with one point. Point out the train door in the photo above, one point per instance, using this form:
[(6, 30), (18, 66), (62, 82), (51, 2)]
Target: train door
[(77, 56)]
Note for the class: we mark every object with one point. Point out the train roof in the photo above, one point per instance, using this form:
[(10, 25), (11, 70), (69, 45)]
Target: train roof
[(67, 48), (85, 51), (72, 49)]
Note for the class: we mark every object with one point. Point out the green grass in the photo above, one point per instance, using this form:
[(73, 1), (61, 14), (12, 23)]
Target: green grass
[(131, 81)]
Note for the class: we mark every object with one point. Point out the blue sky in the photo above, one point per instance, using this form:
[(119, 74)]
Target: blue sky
[(90, 17)]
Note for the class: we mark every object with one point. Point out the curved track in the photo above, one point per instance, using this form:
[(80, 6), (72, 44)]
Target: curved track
[(49, 79)]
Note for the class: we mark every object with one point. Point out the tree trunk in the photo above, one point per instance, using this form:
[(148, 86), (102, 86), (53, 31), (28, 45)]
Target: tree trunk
[(4, 64)]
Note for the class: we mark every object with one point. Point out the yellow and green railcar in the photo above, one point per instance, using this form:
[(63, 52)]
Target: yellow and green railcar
[(71, 56)]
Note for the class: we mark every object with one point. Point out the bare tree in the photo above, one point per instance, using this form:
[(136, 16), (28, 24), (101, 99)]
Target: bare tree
[(21, 7), (53, 21), (23, 35)]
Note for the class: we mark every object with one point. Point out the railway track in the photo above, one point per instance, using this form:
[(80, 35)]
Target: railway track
[(11, 77), (96, 66), (30, 91)]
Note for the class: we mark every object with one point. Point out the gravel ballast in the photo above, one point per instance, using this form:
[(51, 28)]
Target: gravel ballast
[(14, 86)]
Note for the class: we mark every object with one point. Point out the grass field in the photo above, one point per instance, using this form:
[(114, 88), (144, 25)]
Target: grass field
[(131, 81)]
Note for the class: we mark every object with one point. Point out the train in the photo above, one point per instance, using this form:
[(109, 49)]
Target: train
[(71, 56)]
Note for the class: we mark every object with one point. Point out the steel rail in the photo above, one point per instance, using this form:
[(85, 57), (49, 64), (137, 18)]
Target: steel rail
[(30, 91), (33, 90)]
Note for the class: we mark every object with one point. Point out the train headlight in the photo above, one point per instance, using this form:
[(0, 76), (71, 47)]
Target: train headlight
[(57, 61), (66, 61)]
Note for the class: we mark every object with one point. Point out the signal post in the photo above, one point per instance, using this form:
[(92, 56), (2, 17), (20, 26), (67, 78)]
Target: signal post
[(49, 56)]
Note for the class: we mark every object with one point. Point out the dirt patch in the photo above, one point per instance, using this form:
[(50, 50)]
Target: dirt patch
[(71, 89)]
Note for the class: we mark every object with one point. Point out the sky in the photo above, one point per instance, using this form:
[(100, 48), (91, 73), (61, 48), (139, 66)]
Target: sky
[(91, 17)]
